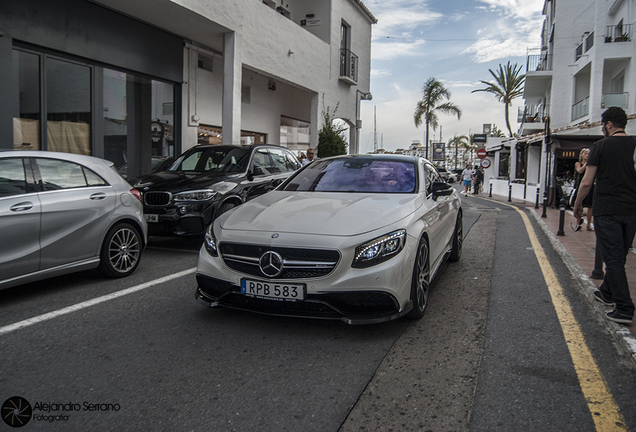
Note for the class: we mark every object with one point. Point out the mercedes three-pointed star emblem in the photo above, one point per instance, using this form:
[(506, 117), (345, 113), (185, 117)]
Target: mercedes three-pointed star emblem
[(271, 264)]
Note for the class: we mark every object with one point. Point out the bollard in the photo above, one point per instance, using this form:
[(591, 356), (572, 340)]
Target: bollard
[(536, 205), (490, 193), (509, 193), (560, 232), (598, 272), (545, 208)]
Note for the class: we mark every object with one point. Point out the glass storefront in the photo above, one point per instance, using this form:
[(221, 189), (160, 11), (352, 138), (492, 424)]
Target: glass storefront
[(294, 134), (137, 114), (68, 107), (207, 134), (26, 119)]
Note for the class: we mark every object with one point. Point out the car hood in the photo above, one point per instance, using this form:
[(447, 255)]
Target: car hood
[(176, 181), (337, 214)]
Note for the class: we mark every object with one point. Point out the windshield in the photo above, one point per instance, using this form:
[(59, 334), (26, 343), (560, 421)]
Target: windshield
[(356, 175), (220, 159)]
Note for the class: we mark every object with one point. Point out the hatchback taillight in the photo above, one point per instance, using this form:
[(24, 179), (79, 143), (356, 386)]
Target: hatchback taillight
[(136, 193)]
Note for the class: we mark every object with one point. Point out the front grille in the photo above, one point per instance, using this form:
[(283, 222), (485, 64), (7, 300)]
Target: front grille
[(157, 198), (298, 263)]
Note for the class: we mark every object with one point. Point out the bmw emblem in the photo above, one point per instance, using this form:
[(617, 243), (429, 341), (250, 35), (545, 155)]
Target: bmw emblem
[(276, 235), (271, 264)]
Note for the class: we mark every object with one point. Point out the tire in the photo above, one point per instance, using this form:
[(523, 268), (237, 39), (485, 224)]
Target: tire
[(420, 282), (121, 251), (458, 239), (226, 207)]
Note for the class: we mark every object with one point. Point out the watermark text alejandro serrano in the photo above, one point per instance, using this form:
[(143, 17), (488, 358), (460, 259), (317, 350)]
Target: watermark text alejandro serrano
[(70, 407), (60, 412), (17, 411)]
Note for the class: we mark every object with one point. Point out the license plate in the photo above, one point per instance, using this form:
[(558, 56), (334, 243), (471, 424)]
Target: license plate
[(273, 291), (152, 218)]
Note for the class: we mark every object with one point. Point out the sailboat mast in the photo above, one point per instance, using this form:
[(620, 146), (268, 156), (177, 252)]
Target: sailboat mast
[(375, 133)]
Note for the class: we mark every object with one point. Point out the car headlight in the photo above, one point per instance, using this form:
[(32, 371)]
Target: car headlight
[(210, 242), (379, 250), (195, 195)]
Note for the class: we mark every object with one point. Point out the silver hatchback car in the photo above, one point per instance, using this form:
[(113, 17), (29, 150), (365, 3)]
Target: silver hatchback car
[(61, 213)]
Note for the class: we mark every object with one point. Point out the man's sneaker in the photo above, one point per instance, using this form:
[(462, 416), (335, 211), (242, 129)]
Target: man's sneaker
[(598, 295), (618, 317)]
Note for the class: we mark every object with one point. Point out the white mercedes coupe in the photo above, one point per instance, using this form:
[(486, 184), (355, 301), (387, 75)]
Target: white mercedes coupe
[(358, 238)]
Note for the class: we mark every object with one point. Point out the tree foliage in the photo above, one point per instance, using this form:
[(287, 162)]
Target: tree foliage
[(508, 85), (331, 140), (433, 96), (457, 141)]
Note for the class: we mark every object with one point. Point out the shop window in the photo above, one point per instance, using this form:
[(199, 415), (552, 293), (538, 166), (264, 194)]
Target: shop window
[(68, 107), (68, 104), (213, 135), (294, 134), (26, 78), (124, 97), (504, 165), (249, 138), (521, 163)]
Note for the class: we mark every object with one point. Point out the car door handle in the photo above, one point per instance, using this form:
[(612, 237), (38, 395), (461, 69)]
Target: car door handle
[(23, 206), (98, 196)]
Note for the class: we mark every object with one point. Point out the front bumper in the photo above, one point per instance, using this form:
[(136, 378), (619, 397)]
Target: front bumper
[(191, 221), (352, 307)]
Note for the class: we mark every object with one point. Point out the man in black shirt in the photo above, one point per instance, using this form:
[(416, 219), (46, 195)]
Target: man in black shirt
[(613, 161)]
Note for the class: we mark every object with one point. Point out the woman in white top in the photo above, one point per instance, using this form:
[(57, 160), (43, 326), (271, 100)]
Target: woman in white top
[(467, 177)]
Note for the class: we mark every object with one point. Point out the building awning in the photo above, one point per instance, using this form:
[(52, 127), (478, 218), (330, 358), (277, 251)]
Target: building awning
[(574, 142)]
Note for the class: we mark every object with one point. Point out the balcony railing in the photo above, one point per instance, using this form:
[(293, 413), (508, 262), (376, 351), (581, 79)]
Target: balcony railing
[(535, 113), (578, 52), (618, 33), (348, 66), (539, 62), (581, 108), (615, 99)]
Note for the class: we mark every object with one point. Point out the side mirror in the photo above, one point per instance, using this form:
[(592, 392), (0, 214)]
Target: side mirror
[(255, 171), (441, 189)]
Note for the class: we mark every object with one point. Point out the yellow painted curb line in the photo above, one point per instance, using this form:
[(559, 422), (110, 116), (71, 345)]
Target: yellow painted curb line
[(599, 399)]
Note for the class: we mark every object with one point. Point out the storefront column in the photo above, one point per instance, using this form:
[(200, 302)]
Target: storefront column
[(139, 137), (8, 92), (232, 80)]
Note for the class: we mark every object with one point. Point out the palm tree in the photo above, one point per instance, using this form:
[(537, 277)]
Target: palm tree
[(507, 86), (433, 94), (457, 140), (496, 132)]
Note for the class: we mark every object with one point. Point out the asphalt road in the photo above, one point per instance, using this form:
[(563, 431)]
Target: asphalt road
[(489, 354)]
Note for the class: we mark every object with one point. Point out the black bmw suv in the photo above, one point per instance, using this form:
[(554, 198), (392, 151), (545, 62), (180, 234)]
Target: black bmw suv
[(208, 180)]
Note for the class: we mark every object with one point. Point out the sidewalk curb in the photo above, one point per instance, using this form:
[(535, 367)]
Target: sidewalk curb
[(623, 336)]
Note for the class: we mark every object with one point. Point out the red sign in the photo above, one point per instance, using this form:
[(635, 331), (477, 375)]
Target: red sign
[(485, 163), (481, 153)]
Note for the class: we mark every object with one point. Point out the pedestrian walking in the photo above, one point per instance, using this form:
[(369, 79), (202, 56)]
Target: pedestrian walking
[(478, 179), (467, 177), (580, 166), (612, 161)]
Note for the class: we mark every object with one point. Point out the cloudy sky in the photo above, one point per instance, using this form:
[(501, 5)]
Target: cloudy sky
[(455, 41)]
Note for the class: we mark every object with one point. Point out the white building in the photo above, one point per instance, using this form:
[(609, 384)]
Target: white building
[(126, 80), (584, 65)]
